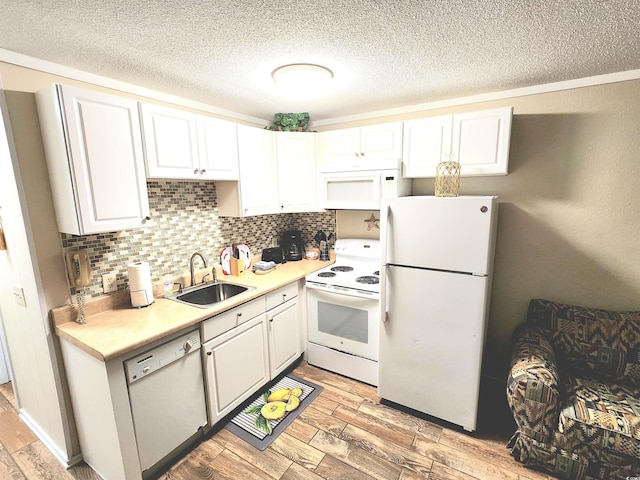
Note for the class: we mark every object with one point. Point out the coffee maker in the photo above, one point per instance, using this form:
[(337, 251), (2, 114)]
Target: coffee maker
[(292, 245)]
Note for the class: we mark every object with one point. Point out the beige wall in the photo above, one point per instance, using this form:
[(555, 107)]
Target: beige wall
[(21, 79), (569, 222)]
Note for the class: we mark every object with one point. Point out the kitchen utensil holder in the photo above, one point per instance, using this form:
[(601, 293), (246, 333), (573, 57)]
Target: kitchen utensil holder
[(448, 179), (237, 266)]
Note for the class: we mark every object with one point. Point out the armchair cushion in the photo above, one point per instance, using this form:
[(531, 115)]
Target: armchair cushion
[(604, 415)]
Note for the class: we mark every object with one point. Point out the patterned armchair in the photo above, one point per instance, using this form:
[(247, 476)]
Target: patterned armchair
[(574, 392)]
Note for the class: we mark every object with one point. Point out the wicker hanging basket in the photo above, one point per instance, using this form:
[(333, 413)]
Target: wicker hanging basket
[(448, 179)]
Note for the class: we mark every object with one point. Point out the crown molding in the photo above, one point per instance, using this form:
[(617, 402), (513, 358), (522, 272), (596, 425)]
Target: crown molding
[(45, 66), (487, 97), (21, 60)]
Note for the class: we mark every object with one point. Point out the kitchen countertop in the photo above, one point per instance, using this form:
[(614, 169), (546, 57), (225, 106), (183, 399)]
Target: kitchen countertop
[(121, 328)]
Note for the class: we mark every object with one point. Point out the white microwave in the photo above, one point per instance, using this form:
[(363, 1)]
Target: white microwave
[(362, 189)]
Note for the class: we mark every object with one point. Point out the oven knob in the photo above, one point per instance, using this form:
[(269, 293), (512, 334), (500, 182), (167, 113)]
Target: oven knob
[(188, 345)]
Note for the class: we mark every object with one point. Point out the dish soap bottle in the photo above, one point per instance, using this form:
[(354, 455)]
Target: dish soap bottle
[(168, 286)]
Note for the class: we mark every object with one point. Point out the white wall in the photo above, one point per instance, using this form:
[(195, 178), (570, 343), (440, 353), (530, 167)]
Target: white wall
[(38, 380), (4, 361)]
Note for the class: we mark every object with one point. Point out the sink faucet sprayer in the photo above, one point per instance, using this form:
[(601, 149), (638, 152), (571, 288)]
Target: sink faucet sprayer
[(193, 277)]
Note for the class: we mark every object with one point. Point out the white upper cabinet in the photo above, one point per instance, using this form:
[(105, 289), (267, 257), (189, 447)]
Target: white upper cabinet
[(94, 155), (256, 191), (363, 148), (170, 141), (183, 145), (297, 172), (427, 141), (479, 141), (218, 148)]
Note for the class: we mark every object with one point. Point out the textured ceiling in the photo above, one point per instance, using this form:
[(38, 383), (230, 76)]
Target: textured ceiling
[(384, 54)]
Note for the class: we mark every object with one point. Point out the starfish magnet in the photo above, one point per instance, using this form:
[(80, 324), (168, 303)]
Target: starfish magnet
[(372, 222)]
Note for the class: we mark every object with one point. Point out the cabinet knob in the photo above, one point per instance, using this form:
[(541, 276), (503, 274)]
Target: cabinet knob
[(146, 219), (196, 171), (357, 154), (204, 170), (362, 154)]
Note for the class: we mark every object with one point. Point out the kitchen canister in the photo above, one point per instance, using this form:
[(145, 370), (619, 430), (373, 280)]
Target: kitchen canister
[(140, 284), (447, 179)]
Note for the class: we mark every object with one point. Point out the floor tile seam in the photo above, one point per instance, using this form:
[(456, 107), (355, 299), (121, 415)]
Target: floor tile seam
[(13, 459)]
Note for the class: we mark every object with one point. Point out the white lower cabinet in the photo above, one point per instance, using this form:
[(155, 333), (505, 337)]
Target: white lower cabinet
[(284, 329), (236, 364), (247, 346)]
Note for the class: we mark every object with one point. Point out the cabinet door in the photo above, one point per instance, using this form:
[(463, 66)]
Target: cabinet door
[(284, 336), (341, 146), (217, 148), (170, 141), (296, 158), (481, 141), (258, 175), (427, 142), (380, 142), (236, 364), (106, 160)]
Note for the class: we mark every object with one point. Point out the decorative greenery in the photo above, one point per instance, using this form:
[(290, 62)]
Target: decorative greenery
[(260, 422), (290, 122)]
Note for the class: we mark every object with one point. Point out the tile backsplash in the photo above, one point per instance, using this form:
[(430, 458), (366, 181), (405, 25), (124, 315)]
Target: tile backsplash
[(185, 220)]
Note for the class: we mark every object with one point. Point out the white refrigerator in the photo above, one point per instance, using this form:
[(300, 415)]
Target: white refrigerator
[(437, 258)]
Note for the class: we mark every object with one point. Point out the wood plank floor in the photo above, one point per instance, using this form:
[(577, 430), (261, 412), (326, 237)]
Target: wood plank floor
[(345, 434)]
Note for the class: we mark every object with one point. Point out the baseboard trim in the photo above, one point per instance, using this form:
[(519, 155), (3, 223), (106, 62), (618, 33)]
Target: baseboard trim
[(61, 456)]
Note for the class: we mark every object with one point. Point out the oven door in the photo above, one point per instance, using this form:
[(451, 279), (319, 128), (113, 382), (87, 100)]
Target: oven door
[(343, 322)]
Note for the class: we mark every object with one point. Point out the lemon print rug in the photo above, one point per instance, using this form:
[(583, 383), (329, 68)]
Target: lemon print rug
[(260, 422)]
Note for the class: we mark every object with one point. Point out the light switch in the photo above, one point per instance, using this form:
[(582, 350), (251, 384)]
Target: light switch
[(18, 295)]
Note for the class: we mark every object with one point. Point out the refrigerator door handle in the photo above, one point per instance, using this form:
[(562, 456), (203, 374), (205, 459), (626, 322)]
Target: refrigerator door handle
[(385, 217), (384, 311)]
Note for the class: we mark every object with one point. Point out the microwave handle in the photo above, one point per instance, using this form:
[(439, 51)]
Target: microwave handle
[(385, 218)]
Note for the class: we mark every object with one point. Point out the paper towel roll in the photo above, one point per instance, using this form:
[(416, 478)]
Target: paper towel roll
[(140, 284)]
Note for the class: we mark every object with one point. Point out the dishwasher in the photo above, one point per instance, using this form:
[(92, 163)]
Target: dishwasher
[(166, 394)]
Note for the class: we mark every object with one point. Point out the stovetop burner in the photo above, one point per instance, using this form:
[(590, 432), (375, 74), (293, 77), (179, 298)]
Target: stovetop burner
[(342, 268), (356, 260), (327, 274), (368, 280)]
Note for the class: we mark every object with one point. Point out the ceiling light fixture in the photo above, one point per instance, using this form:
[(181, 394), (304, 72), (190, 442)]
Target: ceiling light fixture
[(303, 80)]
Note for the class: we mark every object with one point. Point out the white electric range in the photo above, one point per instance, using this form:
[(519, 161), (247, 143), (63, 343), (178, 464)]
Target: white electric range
[(343, 311)]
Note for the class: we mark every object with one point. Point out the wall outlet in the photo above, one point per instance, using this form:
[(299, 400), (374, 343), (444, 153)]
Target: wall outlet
[(109, 283)]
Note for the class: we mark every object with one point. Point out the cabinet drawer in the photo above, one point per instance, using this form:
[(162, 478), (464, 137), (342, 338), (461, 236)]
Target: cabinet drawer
[(281, 295), (225, 321)]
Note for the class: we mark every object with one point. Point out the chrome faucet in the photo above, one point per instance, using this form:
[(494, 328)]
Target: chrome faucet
[(193, 277)]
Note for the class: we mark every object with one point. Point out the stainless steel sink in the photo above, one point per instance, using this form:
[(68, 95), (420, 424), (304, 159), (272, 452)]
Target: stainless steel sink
[(208, 295)]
